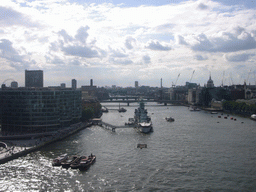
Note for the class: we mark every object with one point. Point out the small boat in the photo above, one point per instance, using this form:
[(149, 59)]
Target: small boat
[(169, 119), (253, 117), (87, 162), (121, 109), (66, 163), (214, 112), (142, 146), (57, 161), (131, 121), (104, 109), (193, 108), (75, 164)]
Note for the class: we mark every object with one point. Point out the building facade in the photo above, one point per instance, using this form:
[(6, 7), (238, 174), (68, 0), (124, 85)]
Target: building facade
[(34, 78), (37, 110), (74, 84)]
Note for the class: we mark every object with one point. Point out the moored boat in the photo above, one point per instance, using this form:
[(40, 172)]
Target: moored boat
[(193, 108), (122, 110), (104, 109), (87, 162), (169, 119), (253, 117), (75, 164), (66, 163), (142, 120), (57, 161)]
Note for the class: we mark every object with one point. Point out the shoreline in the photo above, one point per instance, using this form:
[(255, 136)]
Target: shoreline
[(20, 147)]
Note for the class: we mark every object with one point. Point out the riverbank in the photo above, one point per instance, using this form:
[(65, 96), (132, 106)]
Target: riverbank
[(20, 147)]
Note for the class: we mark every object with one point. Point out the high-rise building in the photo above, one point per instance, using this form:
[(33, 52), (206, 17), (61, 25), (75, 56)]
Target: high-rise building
[(136, 84), (63, 85), (74, 84), (34, 78)]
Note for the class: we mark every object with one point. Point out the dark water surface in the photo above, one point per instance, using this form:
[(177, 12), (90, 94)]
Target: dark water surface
[(197, 152)]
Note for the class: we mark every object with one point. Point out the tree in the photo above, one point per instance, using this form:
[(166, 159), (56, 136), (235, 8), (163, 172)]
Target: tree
[(87, 114)]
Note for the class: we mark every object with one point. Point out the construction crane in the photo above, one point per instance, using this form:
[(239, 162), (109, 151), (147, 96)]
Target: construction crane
[(231, 79), (248, 77), (176, 81), (192, 76), (223, 78)]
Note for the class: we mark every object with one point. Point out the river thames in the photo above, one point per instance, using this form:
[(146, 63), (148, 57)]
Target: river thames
[(196, 152)]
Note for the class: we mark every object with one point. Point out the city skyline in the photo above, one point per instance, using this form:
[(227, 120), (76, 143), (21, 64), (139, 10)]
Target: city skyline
[(120, 42)]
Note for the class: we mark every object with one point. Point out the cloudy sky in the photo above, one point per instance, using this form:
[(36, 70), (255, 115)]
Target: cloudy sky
[(117, 42)]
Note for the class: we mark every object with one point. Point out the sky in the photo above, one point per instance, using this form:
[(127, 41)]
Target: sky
[(118, 42)]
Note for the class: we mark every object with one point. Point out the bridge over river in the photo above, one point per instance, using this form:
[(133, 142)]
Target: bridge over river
[(129, 100)]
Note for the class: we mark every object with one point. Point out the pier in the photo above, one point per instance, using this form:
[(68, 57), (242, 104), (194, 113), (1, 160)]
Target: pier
[(113, 127)]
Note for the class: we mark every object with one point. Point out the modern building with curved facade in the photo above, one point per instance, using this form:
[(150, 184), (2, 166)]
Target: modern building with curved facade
[(38, 110)]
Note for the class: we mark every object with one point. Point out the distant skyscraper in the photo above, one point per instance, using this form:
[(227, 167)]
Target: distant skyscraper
[(63, 85), (136, 84), (14, 84), (91, 82), (73, 84), (34, 78)]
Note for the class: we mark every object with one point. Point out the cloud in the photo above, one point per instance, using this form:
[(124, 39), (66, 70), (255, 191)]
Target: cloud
[(81, 51), (82, 34), (226, 43), (9, 17), (118, 53), (64, 34), (129, 42), (180, 40), (200, 57), (155, 45), (238, 57), (8, 52), (146, 59), (202, 6), (121, 61)]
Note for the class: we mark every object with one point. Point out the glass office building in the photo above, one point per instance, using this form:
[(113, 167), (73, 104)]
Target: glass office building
[(37, 110)]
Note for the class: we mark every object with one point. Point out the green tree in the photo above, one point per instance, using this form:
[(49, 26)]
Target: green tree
[(87, 114)]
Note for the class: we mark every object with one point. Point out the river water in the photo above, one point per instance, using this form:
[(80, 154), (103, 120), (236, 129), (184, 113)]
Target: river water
[(196, 152)]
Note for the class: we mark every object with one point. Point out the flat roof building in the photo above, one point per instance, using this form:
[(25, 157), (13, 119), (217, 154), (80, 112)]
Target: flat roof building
[(37, 110), (34, 78)]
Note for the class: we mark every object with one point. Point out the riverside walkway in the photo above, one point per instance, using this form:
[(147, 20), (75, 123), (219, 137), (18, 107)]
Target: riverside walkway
[(13, 148)]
